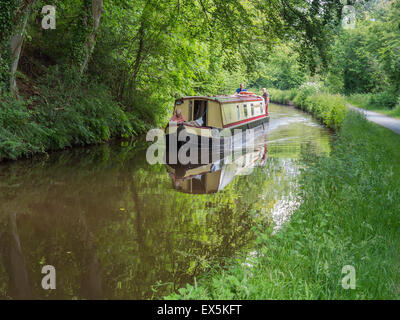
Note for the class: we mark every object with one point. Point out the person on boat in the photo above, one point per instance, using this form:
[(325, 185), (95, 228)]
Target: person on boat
[(241, 89), (178, 117), (265, 95)]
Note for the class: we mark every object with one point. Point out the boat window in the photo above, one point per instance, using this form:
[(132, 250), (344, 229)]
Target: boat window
[(190, 110), (245, 110), (238, 112), (200, 112), (252, 110), (261, 108)]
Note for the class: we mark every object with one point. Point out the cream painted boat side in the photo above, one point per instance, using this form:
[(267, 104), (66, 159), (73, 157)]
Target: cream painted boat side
[(214, 117), (235, 112), (223, 114)]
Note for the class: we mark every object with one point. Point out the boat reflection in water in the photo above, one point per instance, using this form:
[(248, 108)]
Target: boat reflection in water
[(216, 175)]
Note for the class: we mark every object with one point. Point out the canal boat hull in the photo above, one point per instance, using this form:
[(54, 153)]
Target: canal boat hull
[(213, 138)]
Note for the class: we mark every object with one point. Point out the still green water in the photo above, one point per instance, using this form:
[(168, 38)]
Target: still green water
[(115, 227)]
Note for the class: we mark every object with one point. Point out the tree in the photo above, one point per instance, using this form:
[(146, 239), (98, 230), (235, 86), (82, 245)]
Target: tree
[(367, 59), (96, 10), (13, 21)]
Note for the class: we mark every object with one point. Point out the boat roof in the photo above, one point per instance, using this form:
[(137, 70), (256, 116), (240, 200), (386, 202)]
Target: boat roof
[(226, 98)]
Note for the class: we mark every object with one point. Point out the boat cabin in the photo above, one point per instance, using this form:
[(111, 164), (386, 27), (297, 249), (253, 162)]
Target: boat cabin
[(222, 111)]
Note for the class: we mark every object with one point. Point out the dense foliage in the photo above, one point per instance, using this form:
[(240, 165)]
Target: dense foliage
[(364, 63), (68, 112), (366, 59), (140, 55), (137, 56)]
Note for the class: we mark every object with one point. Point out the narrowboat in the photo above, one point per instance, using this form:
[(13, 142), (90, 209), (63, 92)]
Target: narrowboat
[(207, 119)]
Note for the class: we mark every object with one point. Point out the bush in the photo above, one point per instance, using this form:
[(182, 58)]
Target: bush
[(362, 100), (282, 96), (78, 112), (383, 100), (275, 95), (396, 110), (20, 135), (334, 83), (303, 92), (374, 101), (330, 109)]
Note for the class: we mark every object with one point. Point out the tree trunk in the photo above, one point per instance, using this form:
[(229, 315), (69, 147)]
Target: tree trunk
[(16, 44), (136, 68), (97, 10)]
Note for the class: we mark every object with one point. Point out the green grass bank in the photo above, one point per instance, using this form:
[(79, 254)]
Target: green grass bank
[(349, 216), (328, 108)]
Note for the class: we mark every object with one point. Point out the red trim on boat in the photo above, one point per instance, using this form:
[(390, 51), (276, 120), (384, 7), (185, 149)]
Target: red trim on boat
[(245, 121), (226, 99), (228, 125)]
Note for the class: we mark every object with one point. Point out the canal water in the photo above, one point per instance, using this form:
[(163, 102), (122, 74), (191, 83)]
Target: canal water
[(115, 227)]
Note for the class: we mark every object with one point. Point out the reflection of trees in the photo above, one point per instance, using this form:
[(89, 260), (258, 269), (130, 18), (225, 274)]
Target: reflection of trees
[(91, 275), (14, 261), (113, 227)]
